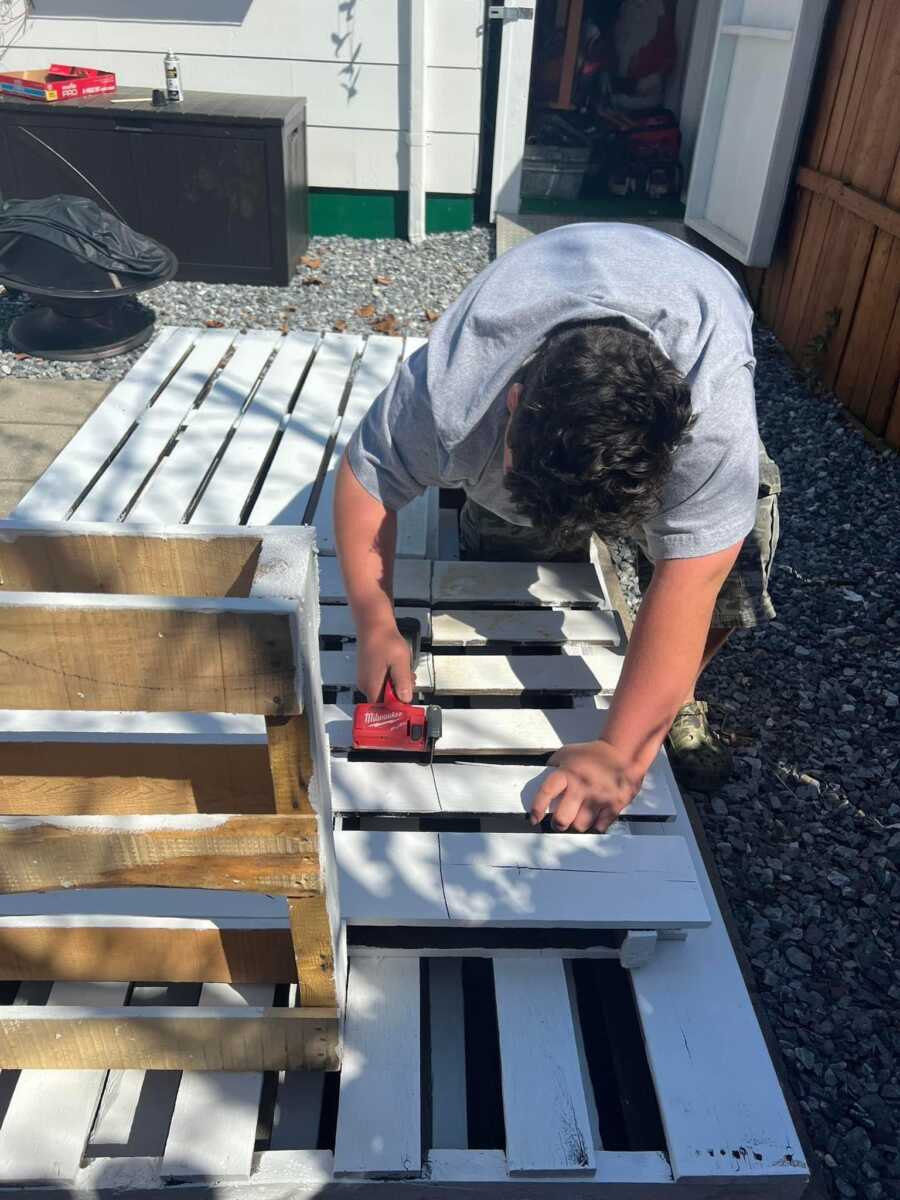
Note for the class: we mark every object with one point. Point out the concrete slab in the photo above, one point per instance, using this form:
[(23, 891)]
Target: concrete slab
[(38, 417), (50, 401)]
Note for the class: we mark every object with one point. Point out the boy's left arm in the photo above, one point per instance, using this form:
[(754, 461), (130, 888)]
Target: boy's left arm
[(594, 781)]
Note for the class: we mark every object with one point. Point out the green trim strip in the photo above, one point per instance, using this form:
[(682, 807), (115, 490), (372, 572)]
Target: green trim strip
[(368, 214)]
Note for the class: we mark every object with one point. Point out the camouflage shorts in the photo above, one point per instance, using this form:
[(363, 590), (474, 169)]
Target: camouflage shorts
[(743, 600)]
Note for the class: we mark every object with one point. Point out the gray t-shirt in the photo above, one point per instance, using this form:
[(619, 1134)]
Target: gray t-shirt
[(441, 420)]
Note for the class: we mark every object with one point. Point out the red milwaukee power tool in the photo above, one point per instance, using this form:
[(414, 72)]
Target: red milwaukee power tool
[(392, 725)]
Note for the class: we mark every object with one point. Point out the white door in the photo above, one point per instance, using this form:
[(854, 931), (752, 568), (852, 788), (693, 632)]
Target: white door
[(759, 80), (512, 103)]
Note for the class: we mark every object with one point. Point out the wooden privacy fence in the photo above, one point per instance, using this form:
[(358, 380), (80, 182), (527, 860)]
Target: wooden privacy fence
[(832, 292)]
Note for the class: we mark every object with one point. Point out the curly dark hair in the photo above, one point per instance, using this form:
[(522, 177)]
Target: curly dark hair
[(601, 413)]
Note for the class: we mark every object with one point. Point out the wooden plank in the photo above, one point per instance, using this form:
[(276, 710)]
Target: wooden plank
[(222, 1147), (379, 1113), (875, 212), (83, 950), (290, 763), (274, 853), (517, 585), (66, 556), (840, 57), (871, 323), (492, 731), (166, 499), (313, 950), (62, 650), (469, 789), (875, 143), (339, 670), (337, 621), (412, 582), (547, 1126), (517, 880), (512, 674), (73, 470), (540, 627), (32, 1148), (169, 1039), (383, 787), (122, 778), (852, 89), (377, 366), (140, 728), (714, 1079), (135, 1109), (497, 788), (447, 1044), (230, 488), (884, 385), (295, 468), (116, 488)]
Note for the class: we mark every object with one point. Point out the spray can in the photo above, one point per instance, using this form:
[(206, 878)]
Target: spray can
[(174, 92)]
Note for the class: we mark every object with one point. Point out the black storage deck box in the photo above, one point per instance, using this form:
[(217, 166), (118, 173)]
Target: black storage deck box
[(220, 179)]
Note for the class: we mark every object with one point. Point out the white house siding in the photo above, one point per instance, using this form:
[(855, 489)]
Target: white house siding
[(349, 58)]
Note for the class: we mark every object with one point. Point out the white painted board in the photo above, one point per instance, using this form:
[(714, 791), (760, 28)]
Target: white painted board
[(116, 487), (379, 1128), (492, 731), (57, 490), (512, 674), (166, 498), (34, 1149), (300, 457), (376, 368), (544, 1109), (517, 879), (759, 80), (412, 581), (517, 585), (227, 493), (541, 626), (339, 670), (213, 1129), (336, 620)]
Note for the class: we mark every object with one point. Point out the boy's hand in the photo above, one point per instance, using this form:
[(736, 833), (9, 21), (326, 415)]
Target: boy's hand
[(589, 788), (381, 649)]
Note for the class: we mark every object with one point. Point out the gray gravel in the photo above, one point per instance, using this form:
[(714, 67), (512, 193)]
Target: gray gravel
[(422, 279), (807, 835)]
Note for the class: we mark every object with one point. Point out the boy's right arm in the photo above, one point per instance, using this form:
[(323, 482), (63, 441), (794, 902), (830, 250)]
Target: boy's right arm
[(366, 537)]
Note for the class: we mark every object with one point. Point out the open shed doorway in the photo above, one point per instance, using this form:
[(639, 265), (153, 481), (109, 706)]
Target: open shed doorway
[(615, 89)]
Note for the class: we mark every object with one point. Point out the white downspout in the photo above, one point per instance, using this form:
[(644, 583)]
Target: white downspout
[(417, 136)]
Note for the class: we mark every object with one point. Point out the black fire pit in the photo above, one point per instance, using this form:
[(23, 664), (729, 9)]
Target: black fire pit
[(81, 309)]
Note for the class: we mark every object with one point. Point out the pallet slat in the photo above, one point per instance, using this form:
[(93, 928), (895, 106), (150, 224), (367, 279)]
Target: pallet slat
[(553, 627), (412, 581), (300, 457), (376, 369), (166, 498), (469, 789), (116, 488), (512, 674), (230, 488), (379, 1112), (276, 854), (34, 1149), (542, 1089), (68, 651), (57, 490), (517, 585), (169, 1038), (518, 880), (213, 1128)]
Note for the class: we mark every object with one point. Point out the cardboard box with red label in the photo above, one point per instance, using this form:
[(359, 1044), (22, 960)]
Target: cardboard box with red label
[(57, 83)]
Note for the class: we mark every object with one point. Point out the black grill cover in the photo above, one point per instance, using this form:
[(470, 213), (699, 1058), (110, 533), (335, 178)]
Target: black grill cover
[(88, 232)]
